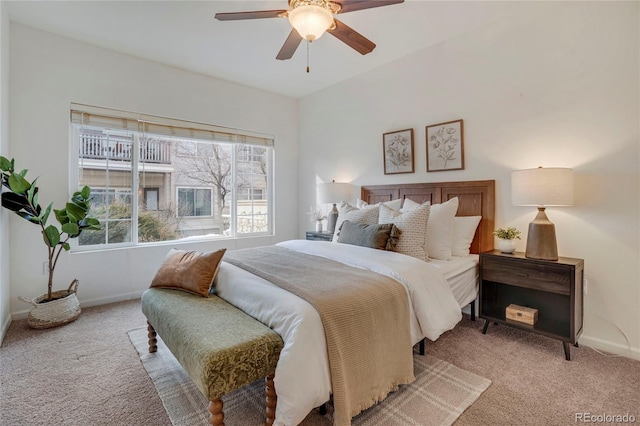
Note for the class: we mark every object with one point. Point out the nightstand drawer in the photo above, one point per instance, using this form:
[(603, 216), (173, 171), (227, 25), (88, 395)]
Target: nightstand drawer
[(529, 275)]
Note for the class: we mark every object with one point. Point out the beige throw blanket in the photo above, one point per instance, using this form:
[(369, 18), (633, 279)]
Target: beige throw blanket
[(365, 317)]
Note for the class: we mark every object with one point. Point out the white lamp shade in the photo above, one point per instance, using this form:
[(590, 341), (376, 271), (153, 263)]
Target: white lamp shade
[(542, 187), (333, 192), (310, 21)]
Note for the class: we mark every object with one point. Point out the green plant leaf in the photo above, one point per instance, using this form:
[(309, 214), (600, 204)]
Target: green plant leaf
[(90, 224), (61, 216), (23, 172), (70, 228), (51, 236), (34, 200), (14, 202), (66, 246), (18, 183), (75, 212), (86, 192), (5, 164), (45, 215), (32, 191), (30, 218)]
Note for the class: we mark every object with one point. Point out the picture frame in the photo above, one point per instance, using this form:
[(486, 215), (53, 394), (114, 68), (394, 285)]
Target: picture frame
[(445, 146), (397, 152)]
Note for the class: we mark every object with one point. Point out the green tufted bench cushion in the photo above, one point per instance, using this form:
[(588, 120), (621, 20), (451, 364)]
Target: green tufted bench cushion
[(220, 347)]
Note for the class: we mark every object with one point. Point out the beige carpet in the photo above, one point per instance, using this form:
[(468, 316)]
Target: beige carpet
[(439, 395), (89, 373)]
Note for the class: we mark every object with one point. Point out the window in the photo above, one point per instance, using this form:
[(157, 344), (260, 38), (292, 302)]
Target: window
[(251, 194), (156, 179), (151, 198), (194, 202)]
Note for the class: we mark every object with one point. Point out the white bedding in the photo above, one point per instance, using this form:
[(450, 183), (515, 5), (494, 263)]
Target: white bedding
[(302, 376), (462, 273)]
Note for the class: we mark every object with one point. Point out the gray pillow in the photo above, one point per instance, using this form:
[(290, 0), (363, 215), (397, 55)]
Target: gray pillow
[(381, 237)]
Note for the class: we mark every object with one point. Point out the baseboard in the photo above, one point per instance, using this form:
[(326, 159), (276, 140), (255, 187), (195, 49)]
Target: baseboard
[(5, 327), (610, 347), (88, 303)]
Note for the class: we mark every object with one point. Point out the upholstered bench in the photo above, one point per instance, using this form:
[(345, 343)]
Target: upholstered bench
[(220, 347)]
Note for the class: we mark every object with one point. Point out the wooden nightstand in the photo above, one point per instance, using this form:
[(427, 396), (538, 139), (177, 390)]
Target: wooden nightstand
[(554, 288), (319, 236)]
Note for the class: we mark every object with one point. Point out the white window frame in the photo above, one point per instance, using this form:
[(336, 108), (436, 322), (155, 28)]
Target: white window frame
[(235, 136)]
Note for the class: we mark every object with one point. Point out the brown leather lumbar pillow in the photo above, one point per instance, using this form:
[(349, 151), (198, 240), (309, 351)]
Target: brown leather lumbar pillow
[(190, 271)]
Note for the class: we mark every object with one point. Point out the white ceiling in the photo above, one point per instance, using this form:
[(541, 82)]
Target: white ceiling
[(185, 34)]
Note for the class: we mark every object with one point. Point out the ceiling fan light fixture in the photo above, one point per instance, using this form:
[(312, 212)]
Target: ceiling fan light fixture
[(310, 18)]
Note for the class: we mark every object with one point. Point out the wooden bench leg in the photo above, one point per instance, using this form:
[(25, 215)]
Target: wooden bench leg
[(216, 416), (271, 399), (153, 342)]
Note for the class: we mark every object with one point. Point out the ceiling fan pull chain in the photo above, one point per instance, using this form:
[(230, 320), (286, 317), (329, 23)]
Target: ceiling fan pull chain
[(308, 56)]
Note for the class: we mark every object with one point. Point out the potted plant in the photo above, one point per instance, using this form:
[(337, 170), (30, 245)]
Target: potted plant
[(507, 238), (21, 196)]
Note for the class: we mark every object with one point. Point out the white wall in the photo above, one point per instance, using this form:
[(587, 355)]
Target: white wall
[(5, 315), (556, 87), (47, 74)]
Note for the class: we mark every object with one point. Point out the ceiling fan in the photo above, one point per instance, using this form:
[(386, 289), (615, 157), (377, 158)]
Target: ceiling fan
[(311, 18)]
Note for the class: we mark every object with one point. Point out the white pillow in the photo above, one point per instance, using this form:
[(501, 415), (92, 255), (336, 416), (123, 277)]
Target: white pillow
[(368, 216), (409, 205), (394, 204), (464, 228), (440, 229), (413, 228)]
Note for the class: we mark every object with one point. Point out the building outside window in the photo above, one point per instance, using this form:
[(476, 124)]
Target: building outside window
[(155, 180)]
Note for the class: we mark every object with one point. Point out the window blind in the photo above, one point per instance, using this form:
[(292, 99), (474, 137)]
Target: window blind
[(123, 120)]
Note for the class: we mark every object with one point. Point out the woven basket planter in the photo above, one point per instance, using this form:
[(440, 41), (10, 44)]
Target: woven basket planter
[(62, 310)]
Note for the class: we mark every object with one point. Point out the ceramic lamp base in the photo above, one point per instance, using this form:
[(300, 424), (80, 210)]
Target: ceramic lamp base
[(332, 218), (541, 239)]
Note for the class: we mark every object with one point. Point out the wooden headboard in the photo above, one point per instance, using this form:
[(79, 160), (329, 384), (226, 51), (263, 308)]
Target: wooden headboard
[(476, 198)]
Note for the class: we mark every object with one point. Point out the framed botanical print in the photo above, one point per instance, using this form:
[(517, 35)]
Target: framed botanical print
[(397, 149), (445, 146)]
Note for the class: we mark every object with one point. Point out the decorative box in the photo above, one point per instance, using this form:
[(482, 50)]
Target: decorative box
[(522, 314)]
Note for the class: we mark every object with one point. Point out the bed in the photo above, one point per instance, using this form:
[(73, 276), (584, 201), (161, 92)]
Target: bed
[(302, 378)]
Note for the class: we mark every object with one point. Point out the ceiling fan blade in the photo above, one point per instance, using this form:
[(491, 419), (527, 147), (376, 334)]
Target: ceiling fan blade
[(290, 45), (352, 5), (235, 16), (352, 38)]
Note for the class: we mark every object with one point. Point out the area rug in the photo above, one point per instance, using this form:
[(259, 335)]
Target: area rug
[(438, 397)]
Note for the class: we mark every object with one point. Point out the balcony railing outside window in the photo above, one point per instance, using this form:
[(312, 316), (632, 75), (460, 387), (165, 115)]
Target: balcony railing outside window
[(101, 147)]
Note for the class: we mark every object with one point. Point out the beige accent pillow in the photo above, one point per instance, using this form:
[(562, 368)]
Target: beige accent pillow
[(440, 229), (464, 229), (413, 228), (189, 271), (368, 216)]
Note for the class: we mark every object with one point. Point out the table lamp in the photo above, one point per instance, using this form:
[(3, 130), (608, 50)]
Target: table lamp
[(542, 187), (332, 193)]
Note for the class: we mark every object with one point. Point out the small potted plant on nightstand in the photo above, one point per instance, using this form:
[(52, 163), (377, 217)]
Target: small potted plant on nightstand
[(21, 196), (507, 238)]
